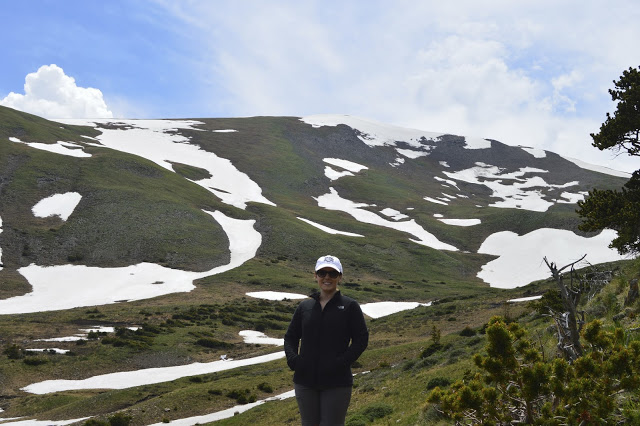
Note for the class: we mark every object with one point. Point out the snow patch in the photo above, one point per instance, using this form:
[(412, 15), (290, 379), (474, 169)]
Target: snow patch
[(258, 338), (75, 338), (155, 125), (345, 164), (61, 205), (572, 198), (349, 168), (373, 133), (520, 257), (275, 295), (476, 143), (524, 299), (64, 286), (596, 168), (517, 194), (334, 174), (411, 153), (158, 141), (229, 412), (84, 335), (537, 153), (147, 376), (433, 200), (54, 350), (399, 161), (64, 148), (329, 230), (447, 181), (461, 222), (333, 201), (394, 214), (382, 309)]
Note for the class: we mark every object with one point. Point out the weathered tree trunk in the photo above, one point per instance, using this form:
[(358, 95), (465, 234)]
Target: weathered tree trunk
[(633, 293), (570, 300)]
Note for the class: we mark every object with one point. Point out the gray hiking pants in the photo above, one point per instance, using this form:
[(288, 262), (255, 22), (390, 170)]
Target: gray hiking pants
[(323, 407)]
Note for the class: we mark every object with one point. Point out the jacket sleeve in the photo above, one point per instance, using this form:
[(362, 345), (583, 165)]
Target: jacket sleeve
[(359, 335), (292, 339)]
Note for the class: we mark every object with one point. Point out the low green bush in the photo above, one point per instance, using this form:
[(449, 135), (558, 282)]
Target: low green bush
[(265, 387), (430, 350), (467, 332), (377, 411), (441, 382), (213, 343), (117, 419), (357, 420), (14, 352), (35, 361), (243, 396)]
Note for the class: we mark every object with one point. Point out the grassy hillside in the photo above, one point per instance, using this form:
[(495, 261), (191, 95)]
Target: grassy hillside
[(394, 375), (31, 128), (133, 210)]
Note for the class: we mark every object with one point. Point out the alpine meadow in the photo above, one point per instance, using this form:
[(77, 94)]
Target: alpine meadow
[(149, 270)]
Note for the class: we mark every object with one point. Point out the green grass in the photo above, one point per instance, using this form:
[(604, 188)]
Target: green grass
[(398, 375), (153, 213), (133, 210), (31, 128), (191, 172)]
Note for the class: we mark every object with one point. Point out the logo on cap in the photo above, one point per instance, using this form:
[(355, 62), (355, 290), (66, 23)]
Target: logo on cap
[(328, 259)]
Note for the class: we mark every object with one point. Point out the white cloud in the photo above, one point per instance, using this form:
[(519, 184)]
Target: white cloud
[(50, 93), (533, 73), (562, 82), (530, 73)]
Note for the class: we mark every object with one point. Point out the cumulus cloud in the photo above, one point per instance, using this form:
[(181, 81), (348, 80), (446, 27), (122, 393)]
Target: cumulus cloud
[(50, 93)]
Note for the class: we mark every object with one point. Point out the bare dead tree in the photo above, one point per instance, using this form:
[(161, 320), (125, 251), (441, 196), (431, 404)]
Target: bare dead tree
[(633, 293), (570, 322), (595, 279)]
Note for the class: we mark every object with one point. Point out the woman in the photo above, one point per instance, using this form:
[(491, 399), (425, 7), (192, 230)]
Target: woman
[(330, 332)]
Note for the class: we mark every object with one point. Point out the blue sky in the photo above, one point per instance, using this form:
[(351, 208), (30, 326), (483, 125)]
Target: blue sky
[(126, 49), (534, 73)]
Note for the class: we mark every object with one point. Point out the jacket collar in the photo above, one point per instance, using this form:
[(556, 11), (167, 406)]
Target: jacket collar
[(316, 295)]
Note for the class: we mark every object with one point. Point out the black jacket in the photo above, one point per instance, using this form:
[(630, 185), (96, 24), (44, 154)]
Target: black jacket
[(325, 355)]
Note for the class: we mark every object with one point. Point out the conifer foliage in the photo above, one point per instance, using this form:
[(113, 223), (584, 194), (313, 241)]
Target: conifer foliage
[(618, 210), (517, 385), (621, 131)]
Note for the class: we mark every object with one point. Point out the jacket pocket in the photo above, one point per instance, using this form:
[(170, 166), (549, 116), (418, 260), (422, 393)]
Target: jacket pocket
[(303, 371), (301, 365)]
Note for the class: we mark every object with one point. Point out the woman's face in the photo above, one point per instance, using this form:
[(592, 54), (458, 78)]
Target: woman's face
[(328, 279)]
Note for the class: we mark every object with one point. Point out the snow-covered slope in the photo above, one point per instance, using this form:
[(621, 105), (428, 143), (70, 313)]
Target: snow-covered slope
[(464, 181)]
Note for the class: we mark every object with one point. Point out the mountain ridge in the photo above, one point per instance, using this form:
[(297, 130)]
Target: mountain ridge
[(280, 160)]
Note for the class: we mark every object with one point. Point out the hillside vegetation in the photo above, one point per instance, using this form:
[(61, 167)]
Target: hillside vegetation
[(134, 210), (393, 377)]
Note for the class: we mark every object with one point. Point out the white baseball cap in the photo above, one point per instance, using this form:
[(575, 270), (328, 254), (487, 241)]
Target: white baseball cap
[(329, 261)]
